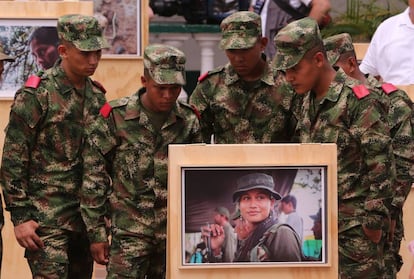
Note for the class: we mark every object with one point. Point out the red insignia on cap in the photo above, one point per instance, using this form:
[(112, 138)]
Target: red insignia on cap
[(389, 88), (33, 81), (105, 110), (360, 91)]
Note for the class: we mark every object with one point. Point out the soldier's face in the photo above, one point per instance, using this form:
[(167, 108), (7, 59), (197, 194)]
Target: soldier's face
[(77, 62), (159, 97), (255, 205), (247, 61), (304, 76)]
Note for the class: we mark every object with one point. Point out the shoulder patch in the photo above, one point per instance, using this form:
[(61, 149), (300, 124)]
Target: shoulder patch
[(33, 81), (389, 88), (203, 76), (99, 85), (360, 91), (105, 110)]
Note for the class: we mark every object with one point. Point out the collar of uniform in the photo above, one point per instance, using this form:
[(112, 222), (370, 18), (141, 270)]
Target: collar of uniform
[(232, 77), (64, 85), (336, 86), (133, 107)]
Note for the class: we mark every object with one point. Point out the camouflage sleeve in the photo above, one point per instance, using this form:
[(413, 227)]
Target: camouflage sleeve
[(94, 204), (401, 119), (20, 138), (200, 101), (373, 131)]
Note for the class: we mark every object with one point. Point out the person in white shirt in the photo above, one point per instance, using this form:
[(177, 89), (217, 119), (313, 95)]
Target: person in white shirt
[(389, 55)]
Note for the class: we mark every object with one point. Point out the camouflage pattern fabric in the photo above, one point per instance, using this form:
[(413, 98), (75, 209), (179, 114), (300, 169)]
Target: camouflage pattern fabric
[(293, 41), (240, 30), (41, 170), (336, 45), (364, 168), (401, 118), (62, 247), (83, 31), (165, 64), (234, 112), (126, 160)]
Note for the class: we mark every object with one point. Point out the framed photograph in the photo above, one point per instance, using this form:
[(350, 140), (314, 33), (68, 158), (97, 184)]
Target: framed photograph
[(122, 22), (278, 202), (15, 35)]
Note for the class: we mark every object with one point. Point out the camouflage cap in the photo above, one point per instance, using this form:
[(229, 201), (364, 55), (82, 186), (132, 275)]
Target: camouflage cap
[(294, 40), (255, 181), (83, 31), (240, 30), (165, 64), (336, 45), (4, 57)]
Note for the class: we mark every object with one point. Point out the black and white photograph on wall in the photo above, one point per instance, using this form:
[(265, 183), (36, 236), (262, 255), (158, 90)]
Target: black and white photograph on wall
[(251, 215)]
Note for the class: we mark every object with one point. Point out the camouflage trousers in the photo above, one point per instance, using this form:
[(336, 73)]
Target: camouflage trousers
[(136, 256), (359, 257), (392, 257), (66, 255)]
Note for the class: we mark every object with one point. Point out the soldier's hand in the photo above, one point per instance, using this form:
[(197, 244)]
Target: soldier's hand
[(27, 237), (100, 252), (373, 235)]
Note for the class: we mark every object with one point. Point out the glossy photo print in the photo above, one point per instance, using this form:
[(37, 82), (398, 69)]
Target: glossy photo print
[(260, 216)]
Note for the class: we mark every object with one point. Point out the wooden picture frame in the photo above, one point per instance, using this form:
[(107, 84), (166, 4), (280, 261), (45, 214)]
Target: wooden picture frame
[(210, 164)]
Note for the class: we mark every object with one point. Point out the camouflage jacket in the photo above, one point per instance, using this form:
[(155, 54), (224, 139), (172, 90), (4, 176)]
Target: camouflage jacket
[(126, 165), (401, 117), (238, 113), (41, 170), (365, 161)]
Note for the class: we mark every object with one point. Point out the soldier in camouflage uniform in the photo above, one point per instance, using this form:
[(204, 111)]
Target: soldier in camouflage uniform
[(341, 53), (243, 101), (42, 166), (3, 58), (126, 166), (339, 109)]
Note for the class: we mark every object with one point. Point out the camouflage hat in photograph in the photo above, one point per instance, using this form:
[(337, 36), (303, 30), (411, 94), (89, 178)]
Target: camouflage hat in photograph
[(255, 181), (240, 30), (336, 45), (82, 31), (5, 57), (294, 40), (165, 64)]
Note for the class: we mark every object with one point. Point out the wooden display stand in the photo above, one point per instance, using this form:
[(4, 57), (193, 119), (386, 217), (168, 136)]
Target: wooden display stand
[(251, 156)]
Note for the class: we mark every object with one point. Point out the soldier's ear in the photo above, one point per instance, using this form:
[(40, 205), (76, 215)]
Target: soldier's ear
[(263, 42), (62, 50)]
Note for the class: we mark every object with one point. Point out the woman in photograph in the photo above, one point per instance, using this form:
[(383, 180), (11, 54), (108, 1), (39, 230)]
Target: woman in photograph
[(268, 240)]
